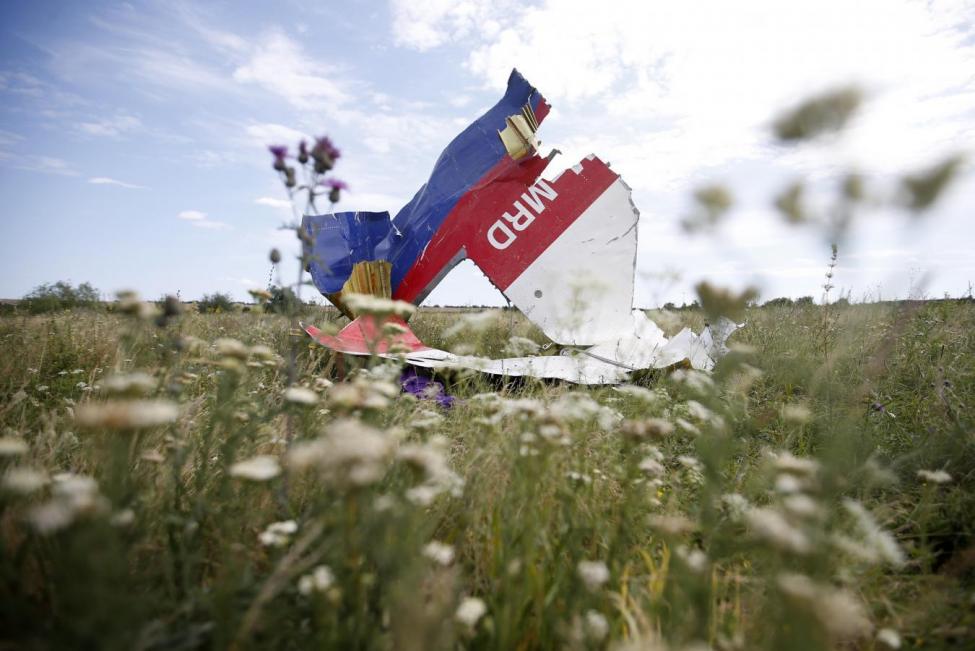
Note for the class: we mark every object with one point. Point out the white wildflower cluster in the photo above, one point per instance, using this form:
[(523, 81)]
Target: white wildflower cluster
[(839, 612), (697, 381), (797, 413), (438, 552), (301, 396), (649, 397), (129, 302), (425, 419), (645, 429), (366, 391), (870, 543), (470, 611), (362, 304), (594, 574), (278, 534), (72, 496), (126, 415), (24, 481), (695, 559), (263, 467), (132, 385), (13, 446), (319, 580), (775, 528), (349, 454), (429, 460), (234, 355), (934, 476)]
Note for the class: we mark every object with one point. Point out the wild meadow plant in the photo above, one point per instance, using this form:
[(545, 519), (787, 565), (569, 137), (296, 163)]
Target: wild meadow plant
[(210, 481)]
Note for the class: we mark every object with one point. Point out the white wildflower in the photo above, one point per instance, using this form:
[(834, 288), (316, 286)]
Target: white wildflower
[(698, 411), (122, 518), (319, 579), (470, 611), (425, 419), (579, 477), (594, 574), (934, 476), (771, 526), (126, 414), (736, 504), (51, 516), (838, 611), (300, 396), (695, 559), (796, 413), (787, 463), (672, 525), (597, 628), (278, 534), (377, 306), (12, 446), (802, 506), (874, 537), (260, 468), (889, 638), (129, 384), (438, 552), (227, 347), (652, 467), (647, 396), (351, 452), (698, 381), (24, 480)]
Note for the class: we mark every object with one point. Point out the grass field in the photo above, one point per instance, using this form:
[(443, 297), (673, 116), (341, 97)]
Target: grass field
[(163, 488)]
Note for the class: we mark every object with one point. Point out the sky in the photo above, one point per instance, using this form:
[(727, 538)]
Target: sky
[(133, 136)]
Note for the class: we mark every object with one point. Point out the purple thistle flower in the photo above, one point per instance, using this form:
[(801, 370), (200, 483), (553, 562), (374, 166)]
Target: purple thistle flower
[(334, 184), (280, 152), (302, 152)]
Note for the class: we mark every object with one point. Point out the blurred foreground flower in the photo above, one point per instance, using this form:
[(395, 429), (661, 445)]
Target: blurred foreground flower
[(934, 476), (594, 574), (470, 611), (260, 468), (278, 534), (126, 414), (318, 580)]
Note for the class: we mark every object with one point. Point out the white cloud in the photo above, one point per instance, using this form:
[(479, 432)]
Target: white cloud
[(265, 134), (280, 65), (271, 202), (200, 219), (111, 127), (106, 180), (192, 215), (425, 24), (44, 165), (665, 90)]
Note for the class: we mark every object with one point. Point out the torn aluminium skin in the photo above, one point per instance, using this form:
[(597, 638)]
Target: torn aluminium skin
[(563, 250)]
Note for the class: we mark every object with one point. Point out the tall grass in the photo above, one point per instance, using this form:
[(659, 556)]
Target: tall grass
[(798, 498)]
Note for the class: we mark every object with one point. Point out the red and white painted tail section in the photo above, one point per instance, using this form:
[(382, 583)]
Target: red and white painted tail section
[(579, 287)]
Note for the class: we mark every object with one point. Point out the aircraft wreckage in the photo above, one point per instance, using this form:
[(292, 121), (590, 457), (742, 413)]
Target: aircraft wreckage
[(562, 250)]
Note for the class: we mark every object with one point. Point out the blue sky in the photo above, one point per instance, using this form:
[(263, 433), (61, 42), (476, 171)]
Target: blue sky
[(132, 136)]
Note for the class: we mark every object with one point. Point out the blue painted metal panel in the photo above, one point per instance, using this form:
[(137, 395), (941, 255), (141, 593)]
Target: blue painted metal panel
[(337, 244), (338, 241)]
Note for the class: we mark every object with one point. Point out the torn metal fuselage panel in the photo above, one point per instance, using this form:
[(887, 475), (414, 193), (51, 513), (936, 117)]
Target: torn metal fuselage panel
[(562, 250)]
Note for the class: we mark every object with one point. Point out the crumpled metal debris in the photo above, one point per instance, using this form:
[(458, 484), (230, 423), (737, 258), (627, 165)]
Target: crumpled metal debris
[(563, 250)]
